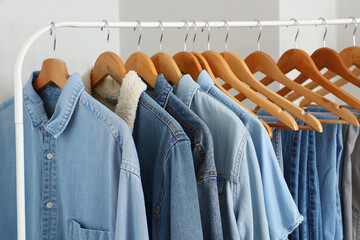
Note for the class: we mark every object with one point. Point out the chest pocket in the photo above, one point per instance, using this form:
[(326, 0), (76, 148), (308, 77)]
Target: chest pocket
[(76, 232)]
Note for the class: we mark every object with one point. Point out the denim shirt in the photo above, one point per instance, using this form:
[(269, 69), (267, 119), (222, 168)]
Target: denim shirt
[(82, 174), (281, 211), (167, 168), (203, 156), (239, 182)]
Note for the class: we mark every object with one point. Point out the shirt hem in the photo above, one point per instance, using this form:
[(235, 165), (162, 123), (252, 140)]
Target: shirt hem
[(290, 229)]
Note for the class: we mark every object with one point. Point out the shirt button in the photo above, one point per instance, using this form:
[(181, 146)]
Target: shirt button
[(49, 156), (49, 205)]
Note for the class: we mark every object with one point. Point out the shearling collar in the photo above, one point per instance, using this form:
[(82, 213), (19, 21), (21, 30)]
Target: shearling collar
[(121, 99)]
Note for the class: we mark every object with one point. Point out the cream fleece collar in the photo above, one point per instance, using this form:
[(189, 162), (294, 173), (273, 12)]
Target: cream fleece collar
[(125, 96)]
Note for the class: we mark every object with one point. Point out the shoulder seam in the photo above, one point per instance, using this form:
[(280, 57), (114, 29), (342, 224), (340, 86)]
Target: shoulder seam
[(4, 105), (178, 134), (107, 124)]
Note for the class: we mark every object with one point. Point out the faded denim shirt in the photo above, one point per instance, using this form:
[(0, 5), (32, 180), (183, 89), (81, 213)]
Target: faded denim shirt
[(82, 173), (241, 197), (164, 150), (203, 156), (281, 211)]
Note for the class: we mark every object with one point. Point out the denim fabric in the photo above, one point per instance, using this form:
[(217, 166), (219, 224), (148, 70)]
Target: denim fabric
[(301, 175), (281, 212), (167, 169), (276, 139), (203, 156), (82, 172), (329, 147), (239, 182)]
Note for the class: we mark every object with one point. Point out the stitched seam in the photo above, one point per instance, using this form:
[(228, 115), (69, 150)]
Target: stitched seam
[(6, 104), (164, 119), (135, 172), (197, 142), (86, 105)]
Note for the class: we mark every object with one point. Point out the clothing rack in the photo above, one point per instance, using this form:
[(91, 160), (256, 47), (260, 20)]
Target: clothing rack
[(18, 97)]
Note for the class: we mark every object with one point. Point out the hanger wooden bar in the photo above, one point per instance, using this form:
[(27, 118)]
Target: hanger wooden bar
[(166, 65), (205, 65), (52, 70), (188, 64), (222, 70), (142, 64)]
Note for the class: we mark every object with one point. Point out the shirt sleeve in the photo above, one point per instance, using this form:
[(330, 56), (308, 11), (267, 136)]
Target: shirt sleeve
[(131, 222), (184, 204), (250, 210)]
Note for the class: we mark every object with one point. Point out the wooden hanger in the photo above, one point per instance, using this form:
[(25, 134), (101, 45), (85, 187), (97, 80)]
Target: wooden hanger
[(242, 72), (108, 63), (186, 61), (165, 64), (260, 61), (301, 61), (351, 57), (206, 67), (142, 64), (52, 70), (222, 70)]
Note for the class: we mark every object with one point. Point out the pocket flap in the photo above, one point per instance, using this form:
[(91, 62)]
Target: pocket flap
[(76, 232)]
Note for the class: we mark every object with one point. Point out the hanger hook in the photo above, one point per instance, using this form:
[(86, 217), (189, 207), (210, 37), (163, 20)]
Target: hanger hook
[(297, 32), (162, 34), (356, 24), (53, 33), (195, 29), (208, 27), (227, 34), (140, 33), (326, 27), (108, 33), (258, 24), (187, 34)]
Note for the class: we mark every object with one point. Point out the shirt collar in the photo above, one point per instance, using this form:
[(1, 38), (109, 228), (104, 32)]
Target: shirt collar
[(186, 89), (66, 101), (204, 80), (162, 91), (122, 99)]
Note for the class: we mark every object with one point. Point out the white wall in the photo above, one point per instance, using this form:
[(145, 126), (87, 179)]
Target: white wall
[(79, 48), (243, 41)]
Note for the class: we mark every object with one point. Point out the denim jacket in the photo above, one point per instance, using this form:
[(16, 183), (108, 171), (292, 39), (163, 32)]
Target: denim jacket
[(240, 190), (82, 173), (281, 211), (203, 156), (167, 168)]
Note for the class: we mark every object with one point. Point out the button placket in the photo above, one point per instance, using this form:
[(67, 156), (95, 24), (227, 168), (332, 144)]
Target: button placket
[(49, 188)]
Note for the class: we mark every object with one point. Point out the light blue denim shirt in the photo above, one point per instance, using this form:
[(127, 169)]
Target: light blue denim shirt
[(165, 156), (203, 157), (239, 182), (281, 211), (81, 168)]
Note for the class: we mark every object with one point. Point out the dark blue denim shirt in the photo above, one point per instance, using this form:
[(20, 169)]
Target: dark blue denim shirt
[(166, 162), (203, 156)]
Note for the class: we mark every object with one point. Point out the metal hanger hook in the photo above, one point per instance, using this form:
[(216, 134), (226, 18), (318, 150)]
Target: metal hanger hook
[(140, 33), (208, 27), (227, 34), (258, 24), (297, 32), (194, 39), (162, 34), (187, 34), (108, 33), (53, 33), (356, 24), (326, 28)]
